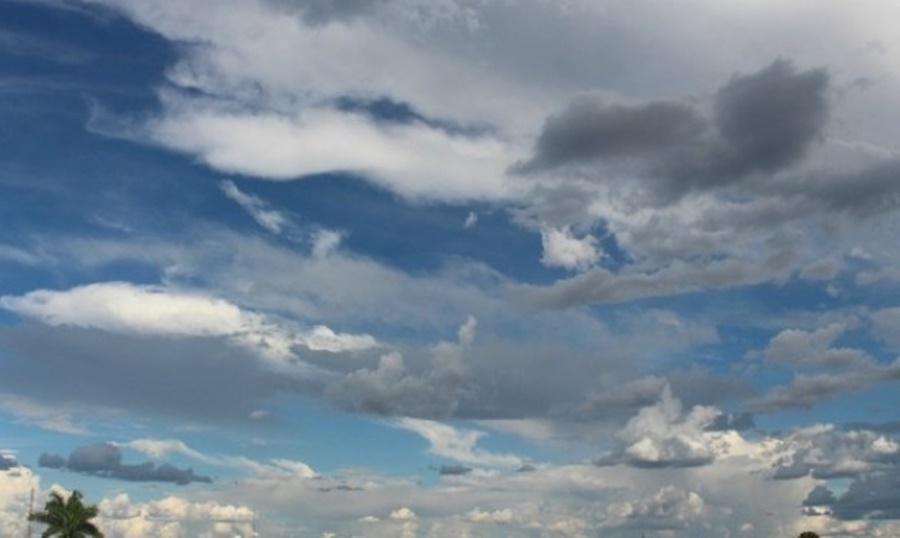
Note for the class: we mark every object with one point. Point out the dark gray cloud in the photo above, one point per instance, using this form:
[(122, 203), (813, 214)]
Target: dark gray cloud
[(589, 130), (684, 459), (201, 378), (51, 461), (873, 496), (761, 123), (732, 421), (7, 462), (96, 458), (769, 119), (819, 496), (453, 470), (105, 460)]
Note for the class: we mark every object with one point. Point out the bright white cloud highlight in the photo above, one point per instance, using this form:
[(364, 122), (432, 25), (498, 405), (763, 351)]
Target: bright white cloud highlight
[(158, 311), (563, 249)]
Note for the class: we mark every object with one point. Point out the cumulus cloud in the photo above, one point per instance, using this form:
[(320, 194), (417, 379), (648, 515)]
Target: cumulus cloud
[(668, 508), (173, 516), (662, 435), (562, 249), (105, 460)]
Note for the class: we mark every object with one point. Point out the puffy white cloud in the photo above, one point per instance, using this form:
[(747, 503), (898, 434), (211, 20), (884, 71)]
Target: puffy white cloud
[(563, 249), (662, 435), (16, 485), (173, 516)]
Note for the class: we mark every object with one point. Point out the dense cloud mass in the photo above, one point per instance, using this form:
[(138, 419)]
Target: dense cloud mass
[(399, 268), (760, 123), (105, 460)]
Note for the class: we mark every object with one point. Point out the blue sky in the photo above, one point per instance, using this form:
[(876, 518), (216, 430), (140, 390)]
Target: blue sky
[(451, 268)]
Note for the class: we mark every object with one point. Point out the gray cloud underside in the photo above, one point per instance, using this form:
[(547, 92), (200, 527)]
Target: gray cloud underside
[(202, 378), (808, 389), (105, 460), (873, 496), (7, 462), (761, 123)]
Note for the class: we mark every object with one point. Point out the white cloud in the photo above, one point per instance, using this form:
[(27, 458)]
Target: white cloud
[(159, 311), (158, 449), (663, 435), (457, 444), (16, 485), (325, 242), (562, 249), (258, 208)]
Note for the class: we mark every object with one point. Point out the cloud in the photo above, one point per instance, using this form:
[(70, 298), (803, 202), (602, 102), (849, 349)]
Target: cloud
[(155, 310), (668, 508), (390, 389), (600, 285), (662, 435), (51, 461), (825, 452), (105, 460), (589, 130), (457, 444), (732, 421), (761, 123), (800, 348), (471, 220), (454, 470), (7, 462), (173, 516), (414, 160), (562, 249), (158, 449), (258, 208), (47, 416), (806, 390)]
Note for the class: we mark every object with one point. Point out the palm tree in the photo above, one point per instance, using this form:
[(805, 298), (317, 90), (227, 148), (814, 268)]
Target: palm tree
[(67, 518)]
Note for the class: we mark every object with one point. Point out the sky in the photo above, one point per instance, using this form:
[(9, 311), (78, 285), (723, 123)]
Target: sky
[(449, 268)]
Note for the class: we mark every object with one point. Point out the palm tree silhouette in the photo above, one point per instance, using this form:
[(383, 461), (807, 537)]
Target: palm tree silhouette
[(67, 518)]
